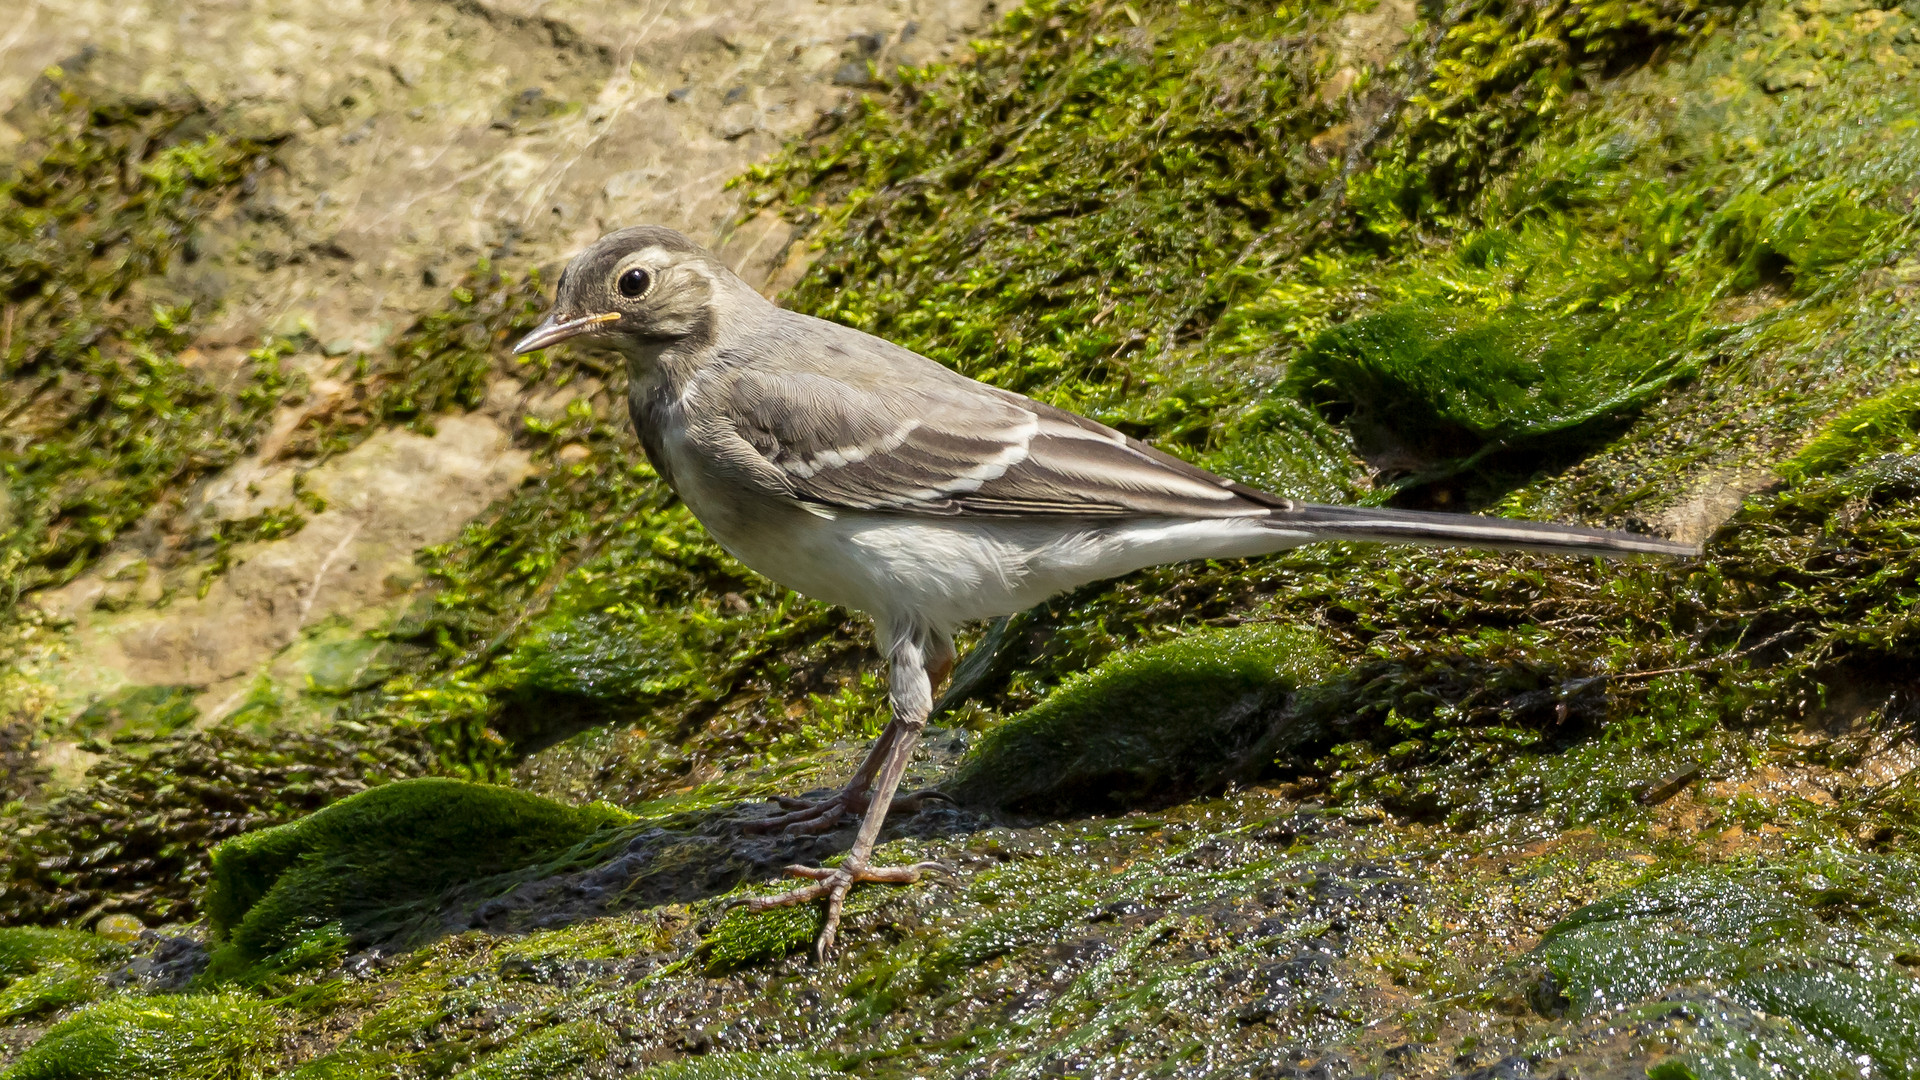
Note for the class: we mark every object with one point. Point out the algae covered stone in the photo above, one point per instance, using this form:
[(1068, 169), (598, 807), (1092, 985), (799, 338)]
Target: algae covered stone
[(555, 1052), (1818, 947), (195, 1037), (1149, 726), (741, 1066), (359, 869), (43, 969), (27, 949), (1459, 378)]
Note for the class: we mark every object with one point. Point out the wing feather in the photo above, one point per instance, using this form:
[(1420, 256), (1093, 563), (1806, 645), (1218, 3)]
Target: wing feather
[(961, 448)]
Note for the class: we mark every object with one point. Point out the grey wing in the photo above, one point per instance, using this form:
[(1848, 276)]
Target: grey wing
[(956, 447)]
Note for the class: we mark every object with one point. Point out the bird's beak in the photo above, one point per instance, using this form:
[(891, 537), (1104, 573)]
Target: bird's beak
[(551, 332)]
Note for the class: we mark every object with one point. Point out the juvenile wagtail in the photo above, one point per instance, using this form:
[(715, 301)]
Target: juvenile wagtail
[(866, 475)]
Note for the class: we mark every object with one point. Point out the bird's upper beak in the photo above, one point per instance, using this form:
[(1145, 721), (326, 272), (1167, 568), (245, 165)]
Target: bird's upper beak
[(553, 330)]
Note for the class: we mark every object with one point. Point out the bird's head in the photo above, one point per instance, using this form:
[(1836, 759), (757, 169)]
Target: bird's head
[(636, 290)]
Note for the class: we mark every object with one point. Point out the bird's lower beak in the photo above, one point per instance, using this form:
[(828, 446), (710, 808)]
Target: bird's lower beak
[(553, 332)]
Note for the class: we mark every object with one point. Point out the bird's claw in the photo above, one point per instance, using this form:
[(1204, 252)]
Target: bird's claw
[(811, 818), (833, 883), (804, 818)]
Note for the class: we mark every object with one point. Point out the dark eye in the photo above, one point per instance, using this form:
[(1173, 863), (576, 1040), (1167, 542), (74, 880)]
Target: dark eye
[(633, 283)]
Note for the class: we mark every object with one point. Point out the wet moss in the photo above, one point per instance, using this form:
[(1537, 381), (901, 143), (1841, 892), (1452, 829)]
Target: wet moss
[(1885, 423), (351, 872), (740, 1066), (1148, 727), (213, 1037), (27, 949), (1432, 380), (43, 970), (1813, 942), (556, 1052)]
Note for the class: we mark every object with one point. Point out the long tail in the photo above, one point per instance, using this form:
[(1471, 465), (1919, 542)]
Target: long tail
[(1468, 530)]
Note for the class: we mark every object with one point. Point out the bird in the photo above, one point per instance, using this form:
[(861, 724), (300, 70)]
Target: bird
[(858, 472)]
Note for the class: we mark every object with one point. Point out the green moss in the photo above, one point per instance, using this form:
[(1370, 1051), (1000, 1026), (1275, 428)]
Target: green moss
[(43, 991), (43, 970), (1453, 376), (362, 861), (190, 1037), (1885, 423), (740, 1066), (1813, 942), (147, 710), (1152, 725), (27, 949), (555, 1052)]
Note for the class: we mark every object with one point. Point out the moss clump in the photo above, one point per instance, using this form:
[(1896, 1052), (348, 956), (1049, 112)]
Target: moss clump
[(217, 1037), (361, 863), (42, 970), (1150, 726), (1453, 379), (1884, 423), (1813, 942), (27, 949)]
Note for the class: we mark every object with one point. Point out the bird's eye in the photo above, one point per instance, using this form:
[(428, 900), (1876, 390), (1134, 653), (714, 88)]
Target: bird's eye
[(633, 283)]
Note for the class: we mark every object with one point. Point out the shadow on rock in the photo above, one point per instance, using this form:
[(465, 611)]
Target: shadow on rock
[(685, 858)]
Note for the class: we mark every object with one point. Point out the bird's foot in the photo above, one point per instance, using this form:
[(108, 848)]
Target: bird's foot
[(834, 883), (810, 817)]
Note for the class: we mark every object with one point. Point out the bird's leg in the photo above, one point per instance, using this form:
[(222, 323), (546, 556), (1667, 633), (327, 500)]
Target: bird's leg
[(911, 693), (806, 817)]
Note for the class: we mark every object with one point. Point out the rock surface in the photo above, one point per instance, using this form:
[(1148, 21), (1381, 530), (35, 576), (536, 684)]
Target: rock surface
[(305, 574)]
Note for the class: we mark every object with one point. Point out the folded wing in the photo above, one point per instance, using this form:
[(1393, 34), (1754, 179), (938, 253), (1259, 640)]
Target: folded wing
[(966, 449)]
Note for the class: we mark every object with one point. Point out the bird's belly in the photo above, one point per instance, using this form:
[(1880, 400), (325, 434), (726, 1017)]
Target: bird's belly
[(949, 571)]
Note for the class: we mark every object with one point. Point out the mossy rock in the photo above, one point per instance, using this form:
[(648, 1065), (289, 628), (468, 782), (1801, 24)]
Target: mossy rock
[(1888, 421), (1817, 945), (1441, 380), (1148, 727), (363, 864), (740, 1066), (215, 1037), (27, 949), (148, 709), (555, 1052)]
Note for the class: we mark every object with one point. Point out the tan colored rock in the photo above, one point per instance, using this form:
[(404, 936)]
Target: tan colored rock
[(1710, 502), (390, 496), (421, 136), (426, 135)]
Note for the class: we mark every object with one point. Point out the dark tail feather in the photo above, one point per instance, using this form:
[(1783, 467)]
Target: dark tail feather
[(1469, 530)]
